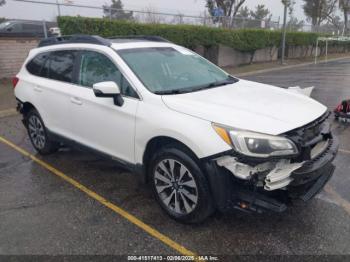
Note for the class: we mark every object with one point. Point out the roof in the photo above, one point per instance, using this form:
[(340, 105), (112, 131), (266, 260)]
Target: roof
[(140, 44), (98, 40)]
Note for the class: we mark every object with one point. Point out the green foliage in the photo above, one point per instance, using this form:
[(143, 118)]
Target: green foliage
[(246, 40), (244, 12), (319, 10), (261, 13), (116, 11)]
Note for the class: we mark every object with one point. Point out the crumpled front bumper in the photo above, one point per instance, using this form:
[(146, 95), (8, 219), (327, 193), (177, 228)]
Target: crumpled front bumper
[(229, 192)]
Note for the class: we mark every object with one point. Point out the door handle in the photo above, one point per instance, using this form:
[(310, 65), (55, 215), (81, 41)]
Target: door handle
[(76, 101), (38, 89)]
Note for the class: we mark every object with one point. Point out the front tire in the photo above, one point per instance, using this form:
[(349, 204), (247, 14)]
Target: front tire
[(38, 134), (179, 185)]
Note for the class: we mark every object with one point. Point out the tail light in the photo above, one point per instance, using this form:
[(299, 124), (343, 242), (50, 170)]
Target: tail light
[(15, 81)]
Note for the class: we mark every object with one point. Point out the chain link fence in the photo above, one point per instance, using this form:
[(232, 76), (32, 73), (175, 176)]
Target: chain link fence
[(204, 20), (151, 15)]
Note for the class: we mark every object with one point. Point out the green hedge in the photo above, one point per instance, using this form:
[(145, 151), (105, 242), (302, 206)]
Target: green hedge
[(247, 40)]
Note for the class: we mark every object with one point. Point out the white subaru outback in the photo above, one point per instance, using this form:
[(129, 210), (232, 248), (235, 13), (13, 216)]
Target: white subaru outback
[(203, 139)]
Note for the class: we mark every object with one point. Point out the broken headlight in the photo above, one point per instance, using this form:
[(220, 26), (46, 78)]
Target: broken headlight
[(256, 144)]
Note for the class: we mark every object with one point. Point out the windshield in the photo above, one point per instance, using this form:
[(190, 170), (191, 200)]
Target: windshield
[(167, 70), (4, 24)]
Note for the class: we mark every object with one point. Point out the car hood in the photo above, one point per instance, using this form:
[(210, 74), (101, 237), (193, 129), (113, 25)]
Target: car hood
[(250, 106)]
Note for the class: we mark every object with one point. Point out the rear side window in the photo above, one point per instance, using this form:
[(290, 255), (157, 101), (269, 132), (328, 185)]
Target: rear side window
[(61, 65), (36, 64)]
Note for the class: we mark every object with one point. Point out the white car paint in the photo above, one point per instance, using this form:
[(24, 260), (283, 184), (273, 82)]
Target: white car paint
[(73, 111), (250, 106), (108, 87), (44, 93)]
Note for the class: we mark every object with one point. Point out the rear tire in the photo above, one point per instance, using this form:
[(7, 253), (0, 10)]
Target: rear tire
[(38, 134), (179, 185)]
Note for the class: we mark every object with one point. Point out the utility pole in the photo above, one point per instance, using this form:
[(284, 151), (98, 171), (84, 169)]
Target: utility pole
[(286, 3), (58, 8), (45, 28)]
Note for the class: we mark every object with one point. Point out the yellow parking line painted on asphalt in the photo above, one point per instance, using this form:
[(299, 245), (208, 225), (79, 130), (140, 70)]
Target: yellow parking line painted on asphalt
[(337, 198), (344, 151), (153, 232)]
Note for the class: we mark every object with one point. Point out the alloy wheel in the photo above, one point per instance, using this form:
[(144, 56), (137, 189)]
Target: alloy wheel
[(176, 186), (36, 132)]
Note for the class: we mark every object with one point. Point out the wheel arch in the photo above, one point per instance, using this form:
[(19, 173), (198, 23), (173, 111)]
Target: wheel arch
[(25, 108), (158, 142)]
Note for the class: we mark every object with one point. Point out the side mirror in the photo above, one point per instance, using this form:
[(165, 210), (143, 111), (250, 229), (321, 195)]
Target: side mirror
[(9, 29), (108, 89)]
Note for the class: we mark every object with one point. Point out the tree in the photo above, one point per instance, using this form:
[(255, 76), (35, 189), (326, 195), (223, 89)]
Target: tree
[(2, 2), (244, 12), (293, 24), (261, 13), (333, 24), (229, 9), (116, 11), (345, 8), (290, 6), (319, 10), (151, 15)]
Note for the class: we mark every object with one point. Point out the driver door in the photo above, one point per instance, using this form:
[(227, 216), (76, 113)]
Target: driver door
[(97, 122)]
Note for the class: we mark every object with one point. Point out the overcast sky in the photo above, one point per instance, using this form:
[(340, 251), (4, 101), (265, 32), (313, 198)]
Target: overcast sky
[(18, 10)]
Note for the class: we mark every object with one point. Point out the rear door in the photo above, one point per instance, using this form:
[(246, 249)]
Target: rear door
[(53, 91), (97, 122)]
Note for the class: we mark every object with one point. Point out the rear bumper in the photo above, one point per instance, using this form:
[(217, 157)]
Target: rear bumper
[(232, 193)]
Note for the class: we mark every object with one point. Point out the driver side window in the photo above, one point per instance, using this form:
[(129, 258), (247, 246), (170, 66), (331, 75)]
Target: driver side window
[(96, 67)]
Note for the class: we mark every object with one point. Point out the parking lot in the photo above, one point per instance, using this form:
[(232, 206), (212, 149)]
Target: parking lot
[(75, 203)]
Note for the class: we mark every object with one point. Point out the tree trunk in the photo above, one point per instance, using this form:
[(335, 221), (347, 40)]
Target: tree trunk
[(252, 54), (345, 20), (314, 23)]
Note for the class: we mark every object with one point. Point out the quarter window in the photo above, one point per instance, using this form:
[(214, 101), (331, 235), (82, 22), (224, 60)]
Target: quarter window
[(96, 67), (35, 65), (61, 65)]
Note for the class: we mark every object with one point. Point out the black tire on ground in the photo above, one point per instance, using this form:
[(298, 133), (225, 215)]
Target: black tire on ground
[(38, 134), (204, 206)]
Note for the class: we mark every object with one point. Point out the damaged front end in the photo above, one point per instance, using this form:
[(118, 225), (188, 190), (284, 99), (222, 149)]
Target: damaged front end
[(253, 184)]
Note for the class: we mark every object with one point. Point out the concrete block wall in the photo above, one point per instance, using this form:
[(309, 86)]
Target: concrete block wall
[(13, 52), (227, 56), (301, 51)]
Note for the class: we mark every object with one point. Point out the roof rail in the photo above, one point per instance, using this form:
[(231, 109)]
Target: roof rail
[(152, 38), (72, 39)]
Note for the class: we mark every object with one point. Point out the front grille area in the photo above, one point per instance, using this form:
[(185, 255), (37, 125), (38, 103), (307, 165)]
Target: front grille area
[(306, 137), (308, 132), (312, 132), (320, 156)]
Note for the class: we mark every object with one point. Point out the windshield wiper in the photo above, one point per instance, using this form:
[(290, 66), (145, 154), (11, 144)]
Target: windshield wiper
[(170, 92), (229, 80)]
